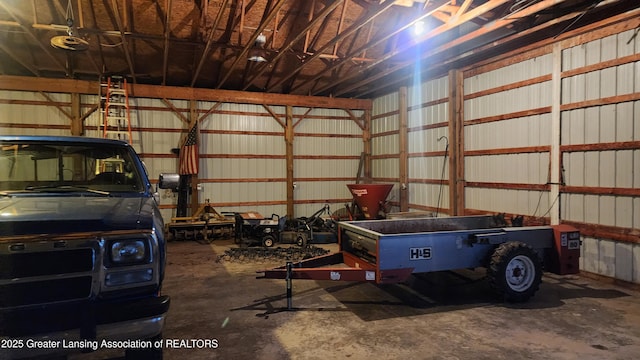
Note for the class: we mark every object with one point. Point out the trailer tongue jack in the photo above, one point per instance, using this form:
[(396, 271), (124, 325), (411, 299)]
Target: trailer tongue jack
[(389, 251)]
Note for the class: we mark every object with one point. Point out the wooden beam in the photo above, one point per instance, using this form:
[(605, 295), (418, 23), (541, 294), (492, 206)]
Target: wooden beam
[(364, 20), (456, 148), (15, 57), (167, 29), (403, 171), (283, 51), (29, 31), (274, 115), (288, 138), (362, 49), (76, 116), (195, 193), (123, 38), (250, 43), (366, 143), (57, 105), (176, 111), (486, 7), (207, 47), (24, 83)]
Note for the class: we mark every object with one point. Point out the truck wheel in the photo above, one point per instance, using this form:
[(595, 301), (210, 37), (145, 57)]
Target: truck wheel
[(268, 241), (515, 271)]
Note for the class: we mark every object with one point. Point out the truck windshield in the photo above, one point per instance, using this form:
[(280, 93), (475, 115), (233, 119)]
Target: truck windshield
[(67, 167)]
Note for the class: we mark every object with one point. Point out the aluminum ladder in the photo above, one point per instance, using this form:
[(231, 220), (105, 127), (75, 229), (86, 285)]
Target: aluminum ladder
[(116, 123)]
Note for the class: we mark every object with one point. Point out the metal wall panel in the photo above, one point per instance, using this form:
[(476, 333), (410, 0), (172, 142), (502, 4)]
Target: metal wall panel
[(33, 120)]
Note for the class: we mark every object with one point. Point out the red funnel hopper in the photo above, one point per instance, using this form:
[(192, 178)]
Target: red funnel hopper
[(370, 197)]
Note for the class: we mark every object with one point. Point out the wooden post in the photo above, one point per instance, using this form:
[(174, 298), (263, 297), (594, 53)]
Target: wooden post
[(77, 128), (555, 160), (288, 138), (366, 144), (193, 119), (456, 143), (404, 158)]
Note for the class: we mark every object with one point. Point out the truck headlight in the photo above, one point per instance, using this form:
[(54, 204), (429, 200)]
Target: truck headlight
[(129, 251)]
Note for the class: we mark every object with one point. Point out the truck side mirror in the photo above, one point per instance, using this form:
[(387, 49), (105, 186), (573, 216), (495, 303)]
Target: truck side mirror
[(168, 181)]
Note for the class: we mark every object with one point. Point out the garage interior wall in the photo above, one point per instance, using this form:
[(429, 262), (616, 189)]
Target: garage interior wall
[(550, 132), (242, 147)]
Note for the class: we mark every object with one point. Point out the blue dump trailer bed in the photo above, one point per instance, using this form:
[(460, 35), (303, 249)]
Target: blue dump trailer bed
[(390, 250)]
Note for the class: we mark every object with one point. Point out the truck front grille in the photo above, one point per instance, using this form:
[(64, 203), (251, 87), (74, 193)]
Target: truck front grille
[(45, 275), (38, 292), (45, 263)]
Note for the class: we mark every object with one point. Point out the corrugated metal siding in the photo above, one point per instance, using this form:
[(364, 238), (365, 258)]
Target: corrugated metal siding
[(23, 119), (609, 123), (520, 132)]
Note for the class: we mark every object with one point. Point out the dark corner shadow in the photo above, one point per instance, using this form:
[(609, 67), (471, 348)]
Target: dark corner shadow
[(434, 293)]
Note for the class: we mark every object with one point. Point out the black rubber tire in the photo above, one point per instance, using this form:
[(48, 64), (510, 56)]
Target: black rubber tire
[(268, 241), (301, 240), (515, 271)]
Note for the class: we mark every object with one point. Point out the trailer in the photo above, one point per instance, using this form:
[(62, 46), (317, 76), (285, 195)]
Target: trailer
[(391, 250)]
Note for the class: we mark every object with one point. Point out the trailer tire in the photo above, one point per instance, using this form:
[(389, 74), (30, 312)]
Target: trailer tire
[(515, 271), (268, 241), (301, 240)]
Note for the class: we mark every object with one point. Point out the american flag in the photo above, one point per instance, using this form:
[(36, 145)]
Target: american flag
[(189, 153)]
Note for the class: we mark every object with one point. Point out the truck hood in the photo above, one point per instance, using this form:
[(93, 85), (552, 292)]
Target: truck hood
[(26, 215)]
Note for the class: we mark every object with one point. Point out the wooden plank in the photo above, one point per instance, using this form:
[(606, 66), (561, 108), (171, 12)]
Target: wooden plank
[(512, 86), (507, 186), (622, 145), (404, 147), (590, 190), (288, 138), (602, 101), (601, 65), (25, 83), (556, 135), (607, 232), (518, 150), (513, 115)]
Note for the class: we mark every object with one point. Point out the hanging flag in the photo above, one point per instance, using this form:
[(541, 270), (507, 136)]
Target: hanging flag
[(189, 153)]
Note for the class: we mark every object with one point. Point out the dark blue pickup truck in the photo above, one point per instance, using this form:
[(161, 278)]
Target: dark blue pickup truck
[(82, 250)]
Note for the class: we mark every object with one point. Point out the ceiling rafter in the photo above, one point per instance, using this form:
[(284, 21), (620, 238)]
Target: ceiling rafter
[(542, 5), (488, 6), (207, 47), (125, 44), (167, 30), (283, 51), (17, 59), (373, 43), (439, 50), (29, 31), (364, 20), (245, 50)]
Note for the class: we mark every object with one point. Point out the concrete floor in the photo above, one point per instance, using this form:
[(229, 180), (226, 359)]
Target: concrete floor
[(441, 316)]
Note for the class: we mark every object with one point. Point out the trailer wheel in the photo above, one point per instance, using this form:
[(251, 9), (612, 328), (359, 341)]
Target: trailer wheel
[(515, 271), (301, 241), (268, 241)]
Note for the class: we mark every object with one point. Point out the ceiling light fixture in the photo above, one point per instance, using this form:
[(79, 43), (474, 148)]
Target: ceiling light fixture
[(258, 53)]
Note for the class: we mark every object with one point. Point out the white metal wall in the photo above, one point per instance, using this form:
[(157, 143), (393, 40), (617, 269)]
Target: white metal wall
[(22, 119), (310, 142), (242, 148), (518, 132), (508, 138), (605, 124), (385, 148), (429, 140)]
